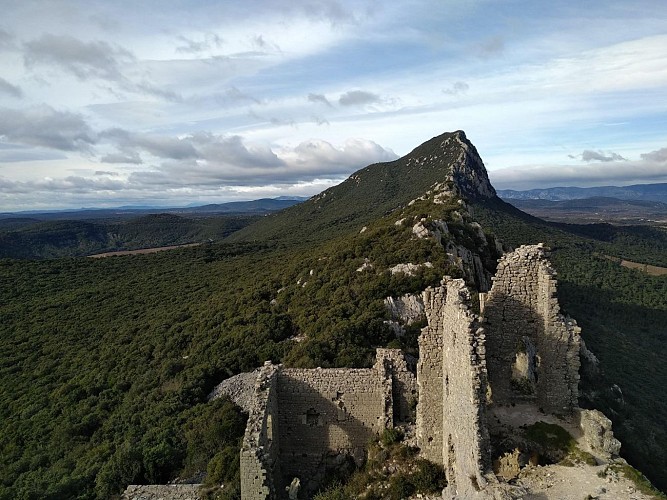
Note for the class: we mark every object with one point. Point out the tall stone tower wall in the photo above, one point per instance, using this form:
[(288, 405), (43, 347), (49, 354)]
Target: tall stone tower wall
[(451, 375), (260, 450), (430, 376), (466, 451), (533, 349)]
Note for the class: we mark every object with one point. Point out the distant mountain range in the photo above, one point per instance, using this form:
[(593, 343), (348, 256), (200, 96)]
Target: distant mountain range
[(646, 192), (253, 207)]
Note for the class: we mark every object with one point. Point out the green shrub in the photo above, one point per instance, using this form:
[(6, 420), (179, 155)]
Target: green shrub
[(392, 436)]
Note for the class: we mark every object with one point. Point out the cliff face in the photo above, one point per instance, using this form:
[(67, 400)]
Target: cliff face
[(466, 174)]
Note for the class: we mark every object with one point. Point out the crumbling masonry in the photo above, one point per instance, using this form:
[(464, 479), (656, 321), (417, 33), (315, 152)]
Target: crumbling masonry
[(521, 350)]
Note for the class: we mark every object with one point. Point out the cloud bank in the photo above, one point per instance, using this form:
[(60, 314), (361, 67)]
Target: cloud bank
[(610, 169)]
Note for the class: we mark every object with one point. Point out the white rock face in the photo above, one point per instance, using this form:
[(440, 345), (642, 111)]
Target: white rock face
[(407, 309), (366, 266), (470, 264), (240, 389), (420, 231), (597, 433), (409, 269)]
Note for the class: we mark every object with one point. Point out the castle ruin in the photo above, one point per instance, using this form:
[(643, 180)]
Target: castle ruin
[(521, 349)]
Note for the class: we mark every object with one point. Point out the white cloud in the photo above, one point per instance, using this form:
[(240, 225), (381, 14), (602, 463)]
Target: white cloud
[(43, 126), (83, 59), (358, 98), (590, 155), (9, 89), (652, 167)]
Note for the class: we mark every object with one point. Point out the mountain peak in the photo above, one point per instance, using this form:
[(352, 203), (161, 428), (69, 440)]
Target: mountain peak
[(467, 172), (445, 166)]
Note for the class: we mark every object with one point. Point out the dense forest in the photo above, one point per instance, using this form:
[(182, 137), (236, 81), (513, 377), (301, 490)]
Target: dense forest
[(108, 362), (26, 238)]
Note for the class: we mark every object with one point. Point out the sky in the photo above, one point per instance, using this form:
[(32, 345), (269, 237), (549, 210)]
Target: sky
[(183, 102)]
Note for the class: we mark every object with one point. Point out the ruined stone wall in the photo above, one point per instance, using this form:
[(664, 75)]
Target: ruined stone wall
[(303, 421), (403, 384), (429, 377), (466, 451), (260, 468), (325, 412), (533, 349)]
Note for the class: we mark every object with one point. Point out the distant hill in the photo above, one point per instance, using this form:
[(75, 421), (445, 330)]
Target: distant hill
[(38, 235), (39, 239), (646, 192), (260, 206)]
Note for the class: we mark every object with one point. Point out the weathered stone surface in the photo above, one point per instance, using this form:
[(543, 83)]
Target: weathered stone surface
[(429, 376), (466, 452), (451, 422), (240, 389), (162, 492), (533, 349), (471, 265), (596, 428), (260, 469), (407, 309), (408, 269)]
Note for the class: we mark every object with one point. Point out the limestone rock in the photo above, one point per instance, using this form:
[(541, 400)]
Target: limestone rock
[(408, 269), (407, 309), (162, 492), (598, 434), (240, 389)]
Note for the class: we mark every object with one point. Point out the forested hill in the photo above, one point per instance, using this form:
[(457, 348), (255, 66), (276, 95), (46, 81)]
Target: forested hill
[(447, 162), (35, 239), (106, 364)]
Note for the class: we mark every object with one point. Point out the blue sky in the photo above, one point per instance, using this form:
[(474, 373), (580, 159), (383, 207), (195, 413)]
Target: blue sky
[(178, 102)]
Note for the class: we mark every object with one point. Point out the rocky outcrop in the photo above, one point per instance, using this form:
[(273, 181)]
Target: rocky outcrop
[(408, 269), (240, 389), (468, 171), (407, 309), (162, 492), (598, 434)]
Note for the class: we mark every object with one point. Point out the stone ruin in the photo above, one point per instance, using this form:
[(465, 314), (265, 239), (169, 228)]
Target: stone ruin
[(302, 421), (521, 349)]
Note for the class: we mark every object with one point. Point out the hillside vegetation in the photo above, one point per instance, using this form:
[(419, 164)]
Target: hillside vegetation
[(107, 363), (31, 239)]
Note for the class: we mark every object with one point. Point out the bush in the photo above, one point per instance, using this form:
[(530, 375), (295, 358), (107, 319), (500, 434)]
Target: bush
[(392, 436)]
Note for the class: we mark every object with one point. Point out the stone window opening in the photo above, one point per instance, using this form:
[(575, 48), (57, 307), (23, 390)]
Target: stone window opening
[(269, 428), (341, 411), (525, 369), (311, 418)]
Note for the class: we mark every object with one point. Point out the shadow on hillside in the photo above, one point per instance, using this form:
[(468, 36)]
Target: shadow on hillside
[(631, 388)]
